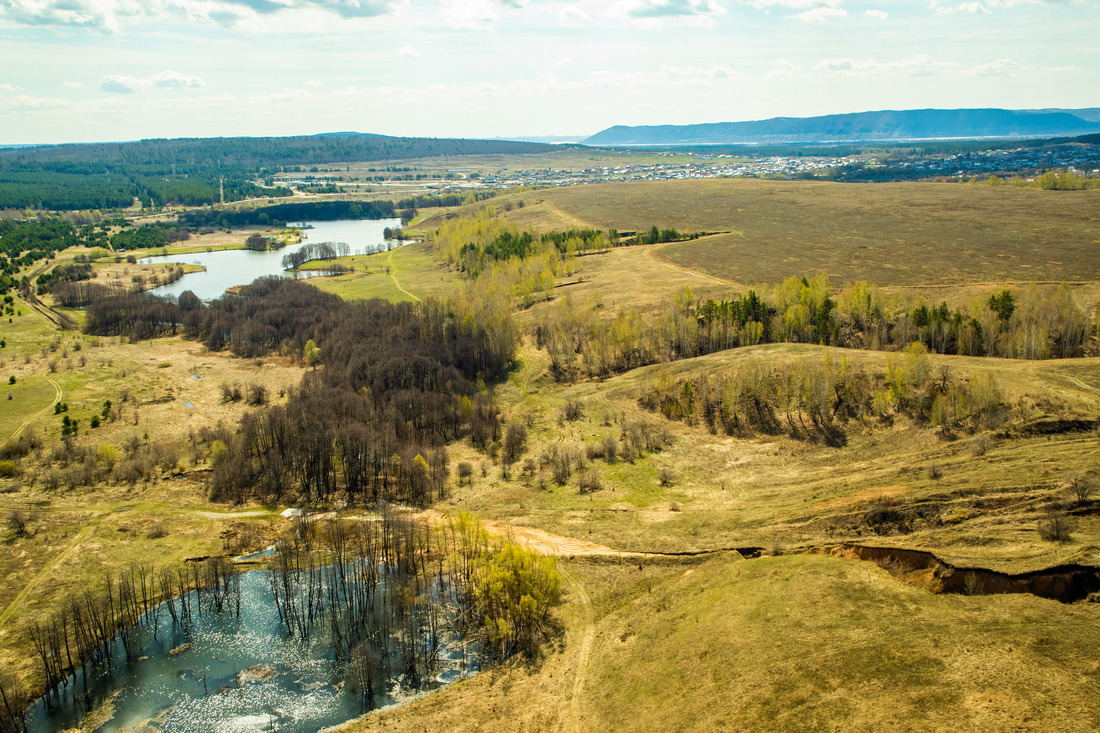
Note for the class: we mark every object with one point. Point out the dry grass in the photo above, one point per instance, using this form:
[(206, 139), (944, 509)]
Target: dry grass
[(407, 273), (913, 234), (785, 643)]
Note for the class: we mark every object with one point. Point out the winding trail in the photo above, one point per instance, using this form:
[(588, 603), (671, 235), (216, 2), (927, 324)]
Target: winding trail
[(56, 398), (393, 276), (34, 582), (572, 722)]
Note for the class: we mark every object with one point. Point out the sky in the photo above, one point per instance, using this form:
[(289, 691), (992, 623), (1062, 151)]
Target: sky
[(112, 70)]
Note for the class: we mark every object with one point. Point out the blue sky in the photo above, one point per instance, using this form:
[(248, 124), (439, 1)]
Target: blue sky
[(91, 70)]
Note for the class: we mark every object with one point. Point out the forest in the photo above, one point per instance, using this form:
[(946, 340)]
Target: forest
[(192, 172), (399, 383)]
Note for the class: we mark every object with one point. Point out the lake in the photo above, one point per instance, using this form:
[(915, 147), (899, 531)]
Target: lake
[(228, 268)]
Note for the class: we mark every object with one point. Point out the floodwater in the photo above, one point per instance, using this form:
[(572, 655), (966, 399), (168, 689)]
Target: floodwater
[(231, 267), (241, 672)]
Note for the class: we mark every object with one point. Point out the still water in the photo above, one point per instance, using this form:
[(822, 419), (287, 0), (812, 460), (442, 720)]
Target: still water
[(227, 268), (241, 672)]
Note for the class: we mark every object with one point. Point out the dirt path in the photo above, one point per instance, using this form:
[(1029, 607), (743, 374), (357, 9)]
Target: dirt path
[(545, 543), (650, 251), (579, 223), (393, 276), (34, 582), (45, 410), (572, 722)]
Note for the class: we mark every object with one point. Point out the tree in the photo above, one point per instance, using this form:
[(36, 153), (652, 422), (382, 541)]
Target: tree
[(311, 354), (513, 593), (515, 441), (1003, 304)]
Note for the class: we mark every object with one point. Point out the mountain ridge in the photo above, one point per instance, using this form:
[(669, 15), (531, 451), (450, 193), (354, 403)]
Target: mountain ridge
[(881, 125)]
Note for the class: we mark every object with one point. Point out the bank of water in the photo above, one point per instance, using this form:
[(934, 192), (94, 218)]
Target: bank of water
[(242, 671), (232, 267)]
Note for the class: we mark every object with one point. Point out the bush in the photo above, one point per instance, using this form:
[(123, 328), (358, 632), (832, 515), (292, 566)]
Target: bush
[(8, 469), (589, 481), (1055, 528)]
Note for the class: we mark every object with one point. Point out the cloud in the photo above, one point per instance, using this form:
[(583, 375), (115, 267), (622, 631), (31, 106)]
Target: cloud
[(919, 65), (25, 103), (563, 62), (783, 67), (408, 52), (876, 14), (9, 88), (571, 14), (71, 85), (175, 80), (653, 14), (111, 15), (972, 8), (999, 67), (820, 15), (792, 4), (469, 15), (120, 84)]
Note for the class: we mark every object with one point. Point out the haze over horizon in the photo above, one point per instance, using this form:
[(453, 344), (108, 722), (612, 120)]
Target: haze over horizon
[(110, 70)]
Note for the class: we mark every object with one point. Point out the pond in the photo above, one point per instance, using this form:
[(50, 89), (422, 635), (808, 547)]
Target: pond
[(241, 669), (228, 268)]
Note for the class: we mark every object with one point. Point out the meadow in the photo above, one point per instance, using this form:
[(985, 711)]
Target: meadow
[(681, 632)]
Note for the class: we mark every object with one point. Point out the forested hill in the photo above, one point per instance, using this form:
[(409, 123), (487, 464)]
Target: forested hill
[(884, 125), (198, 171), (161, 156)]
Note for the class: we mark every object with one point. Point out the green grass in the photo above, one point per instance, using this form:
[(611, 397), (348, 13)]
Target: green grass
[(407, 273), (912, 234)]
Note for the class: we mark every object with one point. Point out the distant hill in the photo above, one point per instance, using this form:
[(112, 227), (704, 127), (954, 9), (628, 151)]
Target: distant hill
[(886, 125)]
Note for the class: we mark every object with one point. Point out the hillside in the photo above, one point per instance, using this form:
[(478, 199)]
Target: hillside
[(885, 125)]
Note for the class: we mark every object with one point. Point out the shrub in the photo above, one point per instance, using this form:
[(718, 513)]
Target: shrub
[(8, 469), (1055, 528)]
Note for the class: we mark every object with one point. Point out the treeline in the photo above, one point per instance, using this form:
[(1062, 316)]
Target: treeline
[(318, 251), (436, 200), (280, 214), (1049, 181), (399, 382), (816, 400), (196, 171), (23, 243), (1037, 322)]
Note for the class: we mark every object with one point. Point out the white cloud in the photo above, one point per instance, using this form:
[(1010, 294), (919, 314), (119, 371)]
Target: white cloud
[(971, 8), (820, 15), (469, 15), (122, 84), (167, 79), (783, 67), (563, 62), (25, 103), (999, 67), (71, 85), (314, 83), (9, 88), (919, 65), (876, 14), (793, 4), (653, 14), (571, 14), (111, 15), (408, 52), (175, 80)]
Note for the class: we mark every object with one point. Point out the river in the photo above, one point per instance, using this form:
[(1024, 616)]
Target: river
[(227, 268)]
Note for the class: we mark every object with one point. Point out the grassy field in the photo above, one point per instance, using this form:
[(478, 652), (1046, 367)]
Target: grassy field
[(409, 273), (795, 641), (777, 491), (912, 234), (782, 643)]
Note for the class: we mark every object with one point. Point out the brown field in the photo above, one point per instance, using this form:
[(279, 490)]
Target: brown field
[(912, 234)]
